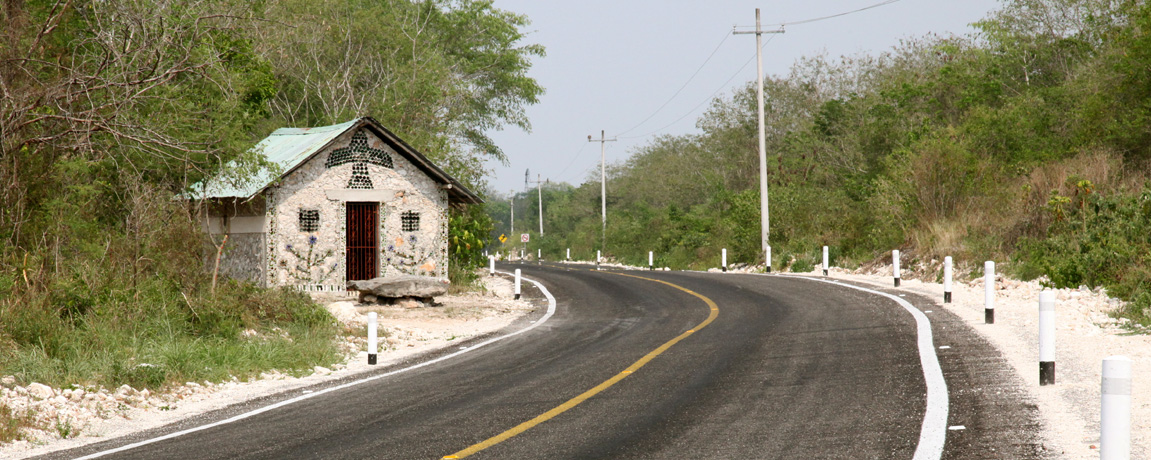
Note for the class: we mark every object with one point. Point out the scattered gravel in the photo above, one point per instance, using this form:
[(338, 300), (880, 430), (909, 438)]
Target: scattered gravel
[(1086, 332), (72, 417)]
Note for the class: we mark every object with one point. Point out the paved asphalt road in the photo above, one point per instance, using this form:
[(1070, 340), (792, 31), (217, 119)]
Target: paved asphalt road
[(789, 368)]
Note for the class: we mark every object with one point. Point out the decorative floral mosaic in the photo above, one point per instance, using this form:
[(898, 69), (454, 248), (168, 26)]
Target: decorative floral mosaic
[(311, 265)]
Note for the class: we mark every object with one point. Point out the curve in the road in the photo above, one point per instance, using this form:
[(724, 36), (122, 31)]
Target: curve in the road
[(933, 433), (714, 312), (551, 311)]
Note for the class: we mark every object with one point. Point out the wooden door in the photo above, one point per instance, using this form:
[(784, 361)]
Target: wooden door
[(363, 222)]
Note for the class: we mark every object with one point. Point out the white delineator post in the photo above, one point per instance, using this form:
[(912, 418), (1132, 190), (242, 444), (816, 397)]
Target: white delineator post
[(768, 259), (597, 256), (491, 265), (723, 259), (989, 292), (569, 257), (539, 256), (1047, 338), (895, 265), (517, 284), (947, 279), (650, 260), (372, 337), (1115, 413), (825, 261)]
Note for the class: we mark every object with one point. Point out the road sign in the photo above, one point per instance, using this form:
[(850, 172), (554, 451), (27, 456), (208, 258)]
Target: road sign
[(503, 238), (524, 237)]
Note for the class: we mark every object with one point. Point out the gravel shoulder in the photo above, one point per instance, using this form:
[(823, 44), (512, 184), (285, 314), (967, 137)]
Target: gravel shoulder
[(93, 415), (1085, 334)]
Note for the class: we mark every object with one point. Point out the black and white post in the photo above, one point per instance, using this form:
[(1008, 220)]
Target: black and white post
[(767, 269), (597, 257), (895, 266), (723, 259), (1046, 338), (569, 257), (517, 284), (539, 256), (989, 292), (825, 261), (491, 265), (650, 260), (372, 337), (947, 279), (1115, 410)]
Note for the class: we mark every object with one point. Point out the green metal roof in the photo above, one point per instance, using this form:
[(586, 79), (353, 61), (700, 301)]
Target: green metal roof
[(288, 148)]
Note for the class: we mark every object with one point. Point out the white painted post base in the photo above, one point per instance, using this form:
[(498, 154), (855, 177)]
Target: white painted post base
[(517, 284), (947, 279), (825, 261), (989, 292), (1115, 413), (895, 265), (767, 269), (372, 338), (1046, 338)]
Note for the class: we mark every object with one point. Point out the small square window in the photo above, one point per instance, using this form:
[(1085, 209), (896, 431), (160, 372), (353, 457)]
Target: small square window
[(309, 220), (410, 221)]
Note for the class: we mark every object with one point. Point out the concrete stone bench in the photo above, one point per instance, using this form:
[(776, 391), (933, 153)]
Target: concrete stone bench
[(392, 289)]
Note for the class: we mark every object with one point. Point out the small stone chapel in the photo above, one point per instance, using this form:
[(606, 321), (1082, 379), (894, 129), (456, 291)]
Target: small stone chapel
[(350, 202)]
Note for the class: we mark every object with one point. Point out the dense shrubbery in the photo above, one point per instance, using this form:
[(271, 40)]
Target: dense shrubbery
[(1025, 143), (107, 113)]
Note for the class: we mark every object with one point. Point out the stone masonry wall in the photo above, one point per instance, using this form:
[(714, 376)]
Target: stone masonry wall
[(314, 258), (244, 252)]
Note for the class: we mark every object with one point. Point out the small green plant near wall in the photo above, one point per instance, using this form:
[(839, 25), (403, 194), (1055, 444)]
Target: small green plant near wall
[(65, 429), (802, 264), (12, 424)]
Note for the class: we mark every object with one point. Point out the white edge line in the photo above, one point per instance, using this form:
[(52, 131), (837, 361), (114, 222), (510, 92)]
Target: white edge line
[(933, 432), (551, 311)]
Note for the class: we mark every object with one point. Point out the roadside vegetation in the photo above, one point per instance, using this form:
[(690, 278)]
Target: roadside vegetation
[(109, 110), (1027, 142)]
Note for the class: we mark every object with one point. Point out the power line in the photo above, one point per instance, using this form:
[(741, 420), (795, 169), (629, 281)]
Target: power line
[(689, 79), (570, 163), (709, 98), (821, 18)]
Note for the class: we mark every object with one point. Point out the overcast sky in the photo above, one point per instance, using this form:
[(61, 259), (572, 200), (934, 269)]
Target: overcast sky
[(611, 64)]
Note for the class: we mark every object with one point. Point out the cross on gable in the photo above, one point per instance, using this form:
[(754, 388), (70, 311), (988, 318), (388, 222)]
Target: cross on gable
[(359, 154)]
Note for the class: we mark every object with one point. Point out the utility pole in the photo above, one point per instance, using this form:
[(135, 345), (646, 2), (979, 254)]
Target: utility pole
[(764, 220), (512, 200), (602, 185), (539, 188)]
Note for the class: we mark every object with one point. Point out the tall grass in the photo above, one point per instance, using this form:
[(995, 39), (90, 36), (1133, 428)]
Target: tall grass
[(132, 304), (171, 341)]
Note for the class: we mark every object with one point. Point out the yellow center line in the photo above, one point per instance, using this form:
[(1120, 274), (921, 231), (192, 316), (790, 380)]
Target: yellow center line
[(598, 388)]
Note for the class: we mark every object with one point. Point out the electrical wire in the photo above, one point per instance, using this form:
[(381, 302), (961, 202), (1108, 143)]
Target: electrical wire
[(821, 18), (575, 157), (726, 35), (725, 83), (709, 98)]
